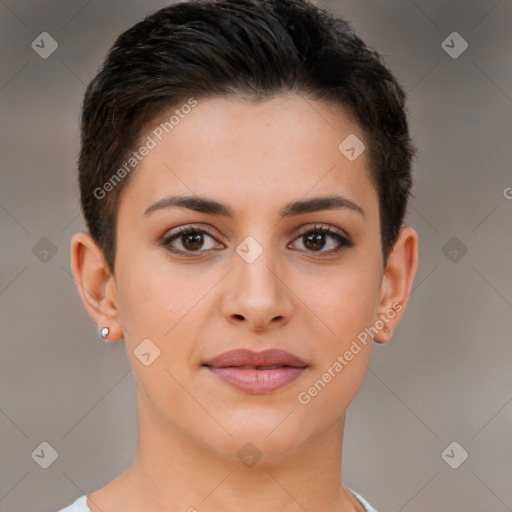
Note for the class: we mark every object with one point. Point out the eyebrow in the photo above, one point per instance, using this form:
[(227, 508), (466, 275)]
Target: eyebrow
[(212, 207)]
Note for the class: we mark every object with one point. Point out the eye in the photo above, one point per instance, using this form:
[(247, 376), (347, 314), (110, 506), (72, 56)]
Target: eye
[(317, 238), (190, 240)]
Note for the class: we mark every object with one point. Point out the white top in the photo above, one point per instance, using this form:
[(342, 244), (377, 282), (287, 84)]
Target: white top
[(79, 505)]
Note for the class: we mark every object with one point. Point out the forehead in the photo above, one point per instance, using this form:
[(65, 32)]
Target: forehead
[(252, 154)]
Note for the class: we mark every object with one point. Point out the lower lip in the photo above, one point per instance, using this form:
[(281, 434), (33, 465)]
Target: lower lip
[(258, 381)]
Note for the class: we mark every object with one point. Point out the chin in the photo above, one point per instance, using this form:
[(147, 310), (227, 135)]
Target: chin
[(270, 438)]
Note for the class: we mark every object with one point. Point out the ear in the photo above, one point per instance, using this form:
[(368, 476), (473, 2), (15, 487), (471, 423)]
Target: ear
[(95, 283), (397, 282)]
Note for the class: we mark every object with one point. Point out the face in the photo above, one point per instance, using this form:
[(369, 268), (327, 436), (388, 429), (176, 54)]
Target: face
[(267, 269)]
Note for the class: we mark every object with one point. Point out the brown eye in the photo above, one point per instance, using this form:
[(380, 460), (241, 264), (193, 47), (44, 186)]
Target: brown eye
[(189, 240), (316, 239), (192, 242)]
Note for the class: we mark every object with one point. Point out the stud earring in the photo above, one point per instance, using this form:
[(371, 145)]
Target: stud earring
[(104, 333)]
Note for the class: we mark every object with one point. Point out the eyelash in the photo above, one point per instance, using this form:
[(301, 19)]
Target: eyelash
[(343, 241)]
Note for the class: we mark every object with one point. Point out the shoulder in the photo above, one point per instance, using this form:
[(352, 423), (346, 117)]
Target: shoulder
[(79, 505), (366, 505)]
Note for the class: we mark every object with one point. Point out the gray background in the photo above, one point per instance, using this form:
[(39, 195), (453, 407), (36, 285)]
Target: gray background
[(446, 375)]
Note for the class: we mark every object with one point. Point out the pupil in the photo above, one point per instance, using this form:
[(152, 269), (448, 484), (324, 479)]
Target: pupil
[(318, 240), (197, 241)]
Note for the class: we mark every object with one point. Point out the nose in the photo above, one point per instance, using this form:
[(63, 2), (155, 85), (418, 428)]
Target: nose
[(256, 294)]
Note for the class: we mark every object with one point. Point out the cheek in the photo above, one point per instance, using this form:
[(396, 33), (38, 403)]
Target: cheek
[(164, 307), (344, 300), (153, 299), (356, 301), (346, 304), (332, 387), (169, 307)]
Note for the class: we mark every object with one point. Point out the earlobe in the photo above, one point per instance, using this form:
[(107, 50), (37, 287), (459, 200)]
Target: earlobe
[(95, 284), (397, 282)]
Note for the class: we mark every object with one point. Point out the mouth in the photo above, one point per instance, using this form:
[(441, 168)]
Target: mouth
[(257, 372)]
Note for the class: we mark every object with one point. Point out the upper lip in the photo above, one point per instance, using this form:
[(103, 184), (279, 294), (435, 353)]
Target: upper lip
[(245, 357)]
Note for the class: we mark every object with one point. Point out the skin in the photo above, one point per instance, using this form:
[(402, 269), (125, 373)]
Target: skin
[(254, 157)]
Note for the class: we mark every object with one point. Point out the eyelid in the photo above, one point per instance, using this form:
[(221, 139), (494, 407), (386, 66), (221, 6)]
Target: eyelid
[(201, 228), (322, 227)]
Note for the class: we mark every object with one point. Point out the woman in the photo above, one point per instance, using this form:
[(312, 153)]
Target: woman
[(244, 174)]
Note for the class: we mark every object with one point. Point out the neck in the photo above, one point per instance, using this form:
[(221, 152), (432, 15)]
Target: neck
[(172, 471)]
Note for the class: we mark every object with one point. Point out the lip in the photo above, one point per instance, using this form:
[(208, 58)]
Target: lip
[(257, 372), (245, 357)]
